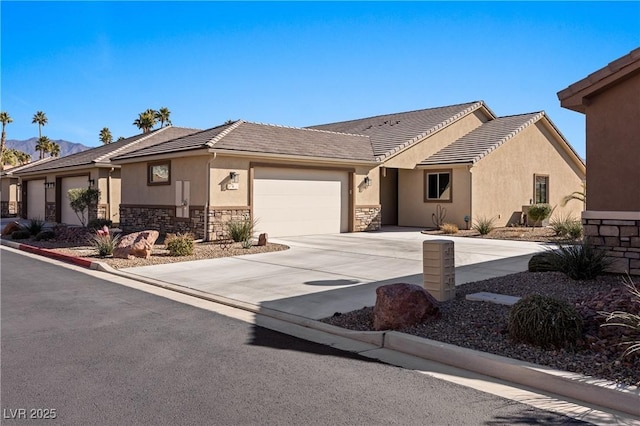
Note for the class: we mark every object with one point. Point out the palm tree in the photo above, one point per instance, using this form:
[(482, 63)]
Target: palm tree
[(576, 195), (105, 136), (23, 157), (6, 119), (145, 121), (43, 145), (9, 157), (54, 149), (162, 115), (41, 119)]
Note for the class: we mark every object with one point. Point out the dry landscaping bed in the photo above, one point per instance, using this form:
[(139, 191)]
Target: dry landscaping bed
[(537, 234)]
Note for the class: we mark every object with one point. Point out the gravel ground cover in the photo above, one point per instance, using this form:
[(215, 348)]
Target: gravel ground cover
[(483, 325)]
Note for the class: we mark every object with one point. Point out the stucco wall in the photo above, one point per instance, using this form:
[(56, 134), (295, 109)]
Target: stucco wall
[(503, 181), (613, 151), (135, 191), (414, 211), (421, 150)]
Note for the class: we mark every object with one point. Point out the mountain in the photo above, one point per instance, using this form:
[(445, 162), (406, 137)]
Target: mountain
[(29, 146)]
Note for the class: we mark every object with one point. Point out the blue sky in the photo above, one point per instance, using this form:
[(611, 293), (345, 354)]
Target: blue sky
[(90, 65)]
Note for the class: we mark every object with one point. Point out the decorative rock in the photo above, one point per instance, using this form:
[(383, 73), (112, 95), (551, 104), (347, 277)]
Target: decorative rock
[(402, 305), (11, 226), (138, 244), (262, 239)]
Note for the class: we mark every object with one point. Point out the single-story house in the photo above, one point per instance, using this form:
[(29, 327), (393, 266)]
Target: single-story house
[(610, 99), (11, 195), (44, 185), (395, 169)]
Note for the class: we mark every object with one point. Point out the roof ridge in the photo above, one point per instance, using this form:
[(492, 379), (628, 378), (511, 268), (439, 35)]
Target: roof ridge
[(474, 106), (223, 133), (519, 115), (511, 134), (120, 149), (307, 129)]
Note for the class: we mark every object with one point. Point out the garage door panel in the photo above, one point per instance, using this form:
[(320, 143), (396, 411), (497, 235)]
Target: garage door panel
[(36, 199), (67, 214), (290, 202)]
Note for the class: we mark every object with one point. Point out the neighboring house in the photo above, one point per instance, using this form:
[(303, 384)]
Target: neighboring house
[(45, 185), (350, 176), (610, 99), (11, 203)]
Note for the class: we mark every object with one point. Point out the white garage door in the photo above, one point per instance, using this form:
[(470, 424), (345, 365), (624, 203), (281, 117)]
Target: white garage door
[(288, 202), (35, 199), (67, 215)]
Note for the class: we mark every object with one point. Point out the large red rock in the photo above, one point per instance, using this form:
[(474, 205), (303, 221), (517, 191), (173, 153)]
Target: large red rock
[(402, 305), (11, 226), (138, 244)]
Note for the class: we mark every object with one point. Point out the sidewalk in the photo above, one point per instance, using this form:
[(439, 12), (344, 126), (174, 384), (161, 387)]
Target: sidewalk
[(325, 274)]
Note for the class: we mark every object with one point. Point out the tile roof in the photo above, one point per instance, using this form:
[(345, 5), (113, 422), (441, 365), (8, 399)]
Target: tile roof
[(104, 153), (244, 136), (475, 145), (23, 167), (391, 133)]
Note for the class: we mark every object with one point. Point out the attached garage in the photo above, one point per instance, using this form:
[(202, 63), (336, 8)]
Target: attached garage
[(35, 199), (67, 215), (289, 202)]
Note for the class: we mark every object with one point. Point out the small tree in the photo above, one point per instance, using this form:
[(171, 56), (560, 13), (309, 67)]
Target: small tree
[(80, 199)]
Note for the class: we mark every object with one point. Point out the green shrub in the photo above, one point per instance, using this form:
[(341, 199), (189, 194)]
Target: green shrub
[(544, 321), (241, 230), (180, 244), (542, 262), (45, 235), (105, 243), (449, 228), (566, 226), (34, 226), (247, 244), (580, 261), (626, 319), (484, 225), (22, 234), (96, 224), (539, 212)]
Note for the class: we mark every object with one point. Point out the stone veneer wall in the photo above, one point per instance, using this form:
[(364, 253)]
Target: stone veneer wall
[(98, 212), (50, 212), (368, 218), (162, 219), (619, 238), (220, 216), (9, 208)]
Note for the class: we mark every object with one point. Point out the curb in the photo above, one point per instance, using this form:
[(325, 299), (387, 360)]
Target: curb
[(599, 392)]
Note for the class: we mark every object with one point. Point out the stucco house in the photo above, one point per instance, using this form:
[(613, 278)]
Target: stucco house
[(44, 185), (10, 192), (350, 176), (610, 100)]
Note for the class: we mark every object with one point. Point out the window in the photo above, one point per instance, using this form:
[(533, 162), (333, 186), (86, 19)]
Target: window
[(159, 173), (438, 185), (541, 190)]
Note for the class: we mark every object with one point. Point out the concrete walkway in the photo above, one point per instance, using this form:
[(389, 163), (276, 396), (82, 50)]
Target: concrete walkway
[(324, 274)]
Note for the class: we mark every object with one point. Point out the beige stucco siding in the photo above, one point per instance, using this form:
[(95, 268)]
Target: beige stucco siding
[(135, 191), (503, 181), (434, 143), (613, 151), (414, 211)]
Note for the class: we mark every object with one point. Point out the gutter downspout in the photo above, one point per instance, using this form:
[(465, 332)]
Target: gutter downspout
[(109, 195), (206, 204)]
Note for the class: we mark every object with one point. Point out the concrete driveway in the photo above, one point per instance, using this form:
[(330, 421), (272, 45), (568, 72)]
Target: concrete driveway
[(324, 274)]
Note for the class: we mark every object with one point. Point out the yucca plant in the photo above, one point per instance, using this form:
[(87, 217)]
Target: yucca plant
[(627, 319), (484, 225), (579, 261), (241, 230), (34, 226), (105, 243), (566, 226)]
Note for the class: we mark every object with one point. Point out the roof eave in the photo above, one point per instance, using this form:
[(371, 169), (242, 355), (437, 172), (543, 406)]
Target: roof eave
[(190, 152), (252, 154)]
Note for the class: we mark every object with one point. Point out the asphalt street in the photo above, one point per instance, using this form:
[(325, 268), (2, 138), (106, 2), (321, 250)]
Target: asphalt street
[(94, 352)]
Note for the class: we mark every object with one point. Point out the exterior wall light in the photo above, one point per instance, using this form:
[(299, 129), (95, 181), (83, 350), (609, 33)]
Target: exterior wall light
[(49, 184), (233, 177), (91, 182), (367, 182)]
